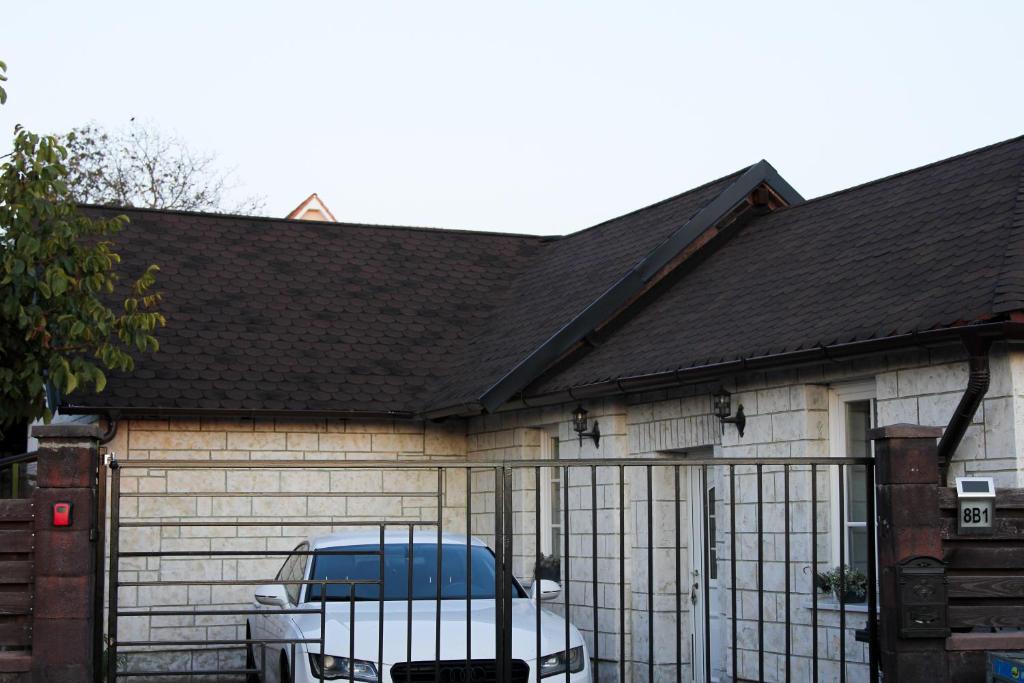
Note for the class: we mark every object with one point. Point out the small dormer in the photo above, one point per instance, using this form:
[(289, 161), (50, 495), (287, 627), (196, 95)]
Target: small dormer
[(312, 208)]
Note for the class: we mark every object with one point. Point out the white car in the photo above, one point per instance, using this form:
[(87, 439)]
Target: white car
[(356, 556)]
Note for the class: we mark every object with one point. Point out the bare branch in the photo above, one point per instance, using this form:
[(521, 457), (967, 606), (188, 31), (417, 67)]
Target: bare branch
[(140, 166)]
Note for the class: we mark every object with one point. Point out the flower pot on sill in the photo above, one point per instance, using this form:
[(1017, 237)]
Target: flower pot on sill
[(548, 568), (850, 597)]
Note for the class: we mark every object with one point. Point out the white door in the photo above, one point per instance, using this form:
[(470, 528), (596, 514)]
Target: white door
[(706, 596)]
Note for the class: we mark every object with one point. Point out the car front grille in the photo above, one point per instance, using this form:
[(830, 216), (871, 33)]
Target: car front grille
[(456, 671)]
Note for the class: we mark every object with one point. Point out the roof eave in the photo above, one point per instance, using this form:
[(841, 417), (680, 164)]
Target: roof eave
[(1010, 330), (176, 412), (442, 412)]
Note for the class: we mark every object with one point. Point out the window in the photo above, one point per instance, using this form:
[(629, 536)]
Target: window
[(293, 569), (396, 572), (712, 536), (852, 415), (550, 501)]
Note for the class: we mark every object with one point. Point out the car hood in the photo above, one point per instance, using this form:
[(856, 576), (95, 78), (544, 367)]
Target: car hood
[(453, 630)]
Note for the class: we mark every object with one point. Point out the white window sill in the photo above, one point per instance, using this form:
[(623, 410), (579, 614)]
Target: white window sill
[(832, 605)]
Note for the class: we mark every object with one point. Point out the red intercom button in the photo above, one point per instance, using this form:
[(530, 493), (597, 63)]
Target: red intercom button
[(62, 514)]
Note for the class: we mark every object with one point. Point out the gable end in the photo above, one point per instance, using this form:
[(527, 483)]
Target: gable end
[(760, 182)]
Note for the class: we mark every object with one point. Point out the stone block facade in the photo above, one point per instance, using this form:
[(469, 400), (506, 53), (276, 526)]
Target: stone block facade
[(790, 414), (199, 509), (518, 435)]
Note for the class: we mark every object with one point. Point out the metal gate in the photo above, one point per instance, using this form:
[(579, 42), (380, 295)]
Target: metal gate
[(633, 581)]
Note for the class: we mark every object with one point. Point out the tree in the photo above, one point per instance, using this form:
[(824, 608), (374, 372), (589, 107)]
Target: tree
[(140, 166), (58, 273)]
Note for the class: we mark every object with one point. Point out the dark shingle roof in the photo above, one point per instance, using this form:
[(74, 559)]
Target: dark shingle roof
[(303, 316), (292, 316), (929, 248), (566, 276)]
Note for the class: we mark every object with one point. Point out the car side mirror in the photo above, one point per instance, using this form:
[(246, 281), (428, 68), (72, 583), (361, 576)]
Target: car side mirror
[(549, 590), (272, 595)]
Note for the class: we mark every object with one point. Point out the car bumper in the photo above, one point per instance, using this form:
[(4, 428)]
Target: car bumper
[(584, 676)]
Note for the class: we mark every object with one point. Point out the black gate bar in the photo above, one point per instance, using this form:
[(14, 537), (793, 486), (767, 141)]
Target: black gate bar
[(504, 550)]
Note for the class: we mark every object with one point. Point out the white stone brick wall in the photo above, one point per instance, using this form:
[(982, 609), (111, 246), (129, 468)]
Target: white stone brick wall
[(516, 435), (668, 420), (316, 499), (788, 416), (928, 393)]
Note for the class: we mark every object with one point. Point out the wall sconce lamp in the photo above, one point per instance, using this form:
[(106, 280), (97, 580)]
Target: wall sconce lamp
[(723, 407), (579, 424)]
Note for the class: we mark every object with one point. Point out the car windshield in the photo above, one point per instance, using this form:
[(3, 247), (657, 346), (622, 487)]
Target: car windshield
[(396, 572)]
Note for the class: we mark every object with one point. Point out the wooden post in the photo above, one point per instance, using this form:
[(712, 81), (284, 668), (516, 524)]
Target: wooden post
[(64, 556), (907, 481)]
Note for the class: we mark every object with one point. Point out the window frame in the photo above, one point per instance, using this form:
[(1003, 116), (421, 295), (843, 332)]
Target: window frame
[(302, 562), (713, 530), (549, 450), (839, 396)]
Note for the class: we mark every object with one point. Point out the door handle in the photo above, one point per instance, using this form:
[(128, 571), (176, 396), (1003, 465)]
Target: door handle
[(693, 593)]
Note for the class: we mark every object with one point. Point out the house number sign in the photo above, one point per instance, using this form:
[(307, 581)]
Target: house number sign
[(976, 498)]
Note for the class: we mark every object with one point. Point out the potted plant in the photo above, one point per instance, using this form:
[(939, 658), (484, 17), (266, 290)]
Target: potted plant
[(847, 584), (548, 567)]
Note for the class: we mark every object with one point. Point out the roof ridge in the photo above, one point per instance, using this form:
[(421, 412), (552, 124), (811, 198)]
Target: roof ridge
[(734, 174), (633, 280), (324, 225), (1008, 294), (556, 240), (916, 169)]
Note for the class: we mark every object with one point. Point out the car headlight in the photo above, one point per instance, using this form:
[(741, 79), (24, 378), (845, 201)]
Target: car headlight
[(555, 663), (330, 667)]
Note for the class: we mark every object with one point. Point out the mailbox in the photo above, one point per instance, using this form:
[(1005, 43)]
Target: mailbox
[(921, 582), (976, 505), (62, 514)]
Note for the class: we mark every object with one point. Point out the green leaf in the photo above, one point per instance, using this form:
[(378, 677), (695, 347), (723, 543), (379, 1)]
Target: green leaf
[(57, 267), (60, 284)]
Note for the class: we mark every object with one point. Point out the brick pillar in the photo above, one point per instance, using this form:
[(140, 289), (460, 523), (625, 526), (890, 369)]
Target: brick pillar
[(64, 556), (907, 479)]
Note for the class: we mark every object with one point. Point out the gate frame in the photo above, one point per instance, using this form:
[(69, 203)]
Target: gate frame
[(504, 534)]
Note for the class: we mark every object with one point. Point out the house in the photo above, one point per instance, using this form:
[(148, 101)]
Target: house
[(287, 340), (312, 208)]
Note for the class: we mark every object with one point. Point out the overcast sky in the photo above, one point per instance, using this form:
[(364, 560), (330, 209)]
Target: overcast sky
[(541, 117)]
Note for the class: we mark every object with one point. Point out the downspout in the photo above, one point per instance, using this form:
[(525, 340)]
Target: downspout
[(108, 436), (977, 386)]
